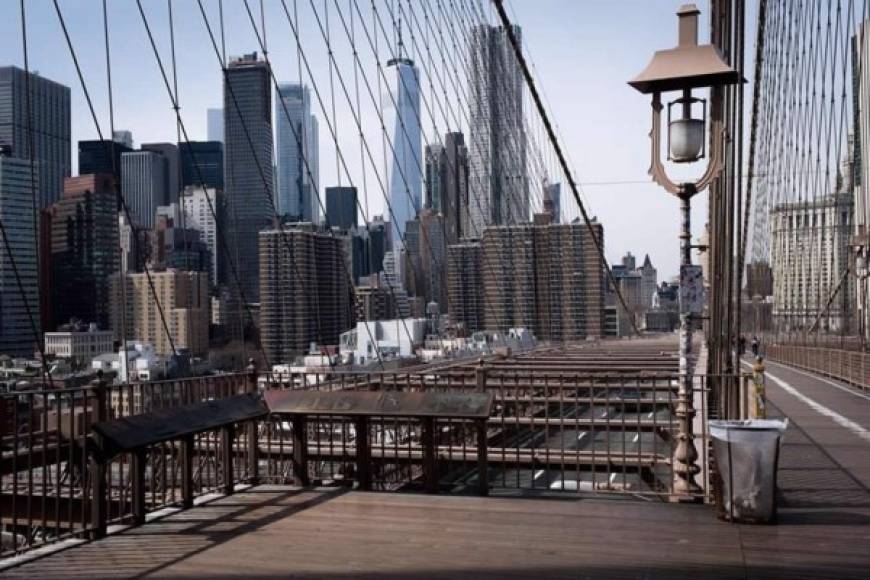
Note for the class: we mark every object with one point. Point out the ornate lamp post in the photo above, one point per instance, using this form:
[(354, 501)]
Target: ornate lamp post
[(686, 67)]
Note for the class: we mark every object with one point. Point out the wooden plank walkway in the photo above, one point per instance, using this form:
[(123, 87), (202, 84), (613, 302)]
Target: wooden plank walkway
[(269, 532)]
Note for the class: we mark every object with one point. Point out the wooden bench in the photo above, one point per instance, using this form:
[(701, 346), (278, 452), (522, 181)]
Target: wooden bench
[(363, 406), (137, 433)]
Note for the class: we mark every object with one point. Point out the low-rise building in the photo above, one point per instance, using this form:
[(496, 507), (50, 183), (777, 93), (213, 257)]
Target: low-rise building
[(79, 345), (138, 362), (387, 338)]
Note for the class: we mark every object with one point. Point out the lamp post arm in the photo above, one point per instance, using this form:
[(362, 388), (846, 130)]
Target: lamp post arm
[(715, 166)]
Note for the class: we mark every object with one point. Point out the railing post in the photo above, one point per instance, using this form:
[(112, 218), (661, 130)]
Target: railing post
[(253, 444), (759, 398), (363, 454), (98, 463), (187, 471), (228, 434), (480, 376), (482, 462), (139, 458), (300, 449), (430, 467)]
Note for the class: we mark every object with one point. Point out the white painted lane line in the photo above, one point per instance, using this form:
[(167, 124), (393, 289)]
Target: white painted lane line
[(844, 388), (840, 420)]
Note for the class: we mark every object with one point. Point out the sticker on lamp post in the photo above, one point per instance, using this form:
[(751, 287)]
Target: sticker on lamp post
[(691, 290)]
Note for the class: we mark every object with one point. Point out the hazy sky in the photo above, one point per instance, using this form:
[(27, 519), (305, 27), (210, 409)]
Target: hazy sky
[(584, 51)]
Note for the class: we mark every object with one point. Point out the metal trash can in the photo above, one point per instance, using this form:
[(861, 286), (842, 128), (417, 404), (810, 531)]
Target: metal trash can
[(747, 454)]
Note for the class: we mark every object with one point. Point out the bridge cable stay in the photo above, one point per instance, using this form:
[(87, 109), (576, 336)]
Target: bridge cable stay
[(425, 59), (510, 146), (471, 18), (182, 211), (753, 133), (267, 184), (552, 161), (380, 117), (808, 169), (536, 99), (233, 264), (510, 152), (115, 187), (558, 149), (35, 204), (387, 143), (340, 78), (502, 75), (555, 275), (428, 108), (278, 221), (356, 110), (332, 125), (340, 157), (120, 198), (538, 162), (220, 237)]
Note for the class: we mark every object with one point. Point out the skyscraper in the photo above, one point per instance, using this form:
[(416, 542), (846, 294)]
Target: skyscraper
[(173, 170), (649, 281), (172, 246), (202, 163), (248, 164), (543, 276), (101, 157), (124, 137), (305, 293), (447, 184), (144, 185), (16, 213), (197, 205), (433, 256), (553, 199), (296, 144), (497, 152), (341, 208), (436, 169), (48, 122), (464, 285), (809, 255), (376, 244), (84, 248), (402, 109), (215, 122)]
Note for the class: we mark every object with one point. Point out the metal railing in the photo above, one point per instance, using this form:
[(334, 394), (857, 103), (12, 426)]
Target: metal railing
[(549, 432), (849, 366), (46, 483)]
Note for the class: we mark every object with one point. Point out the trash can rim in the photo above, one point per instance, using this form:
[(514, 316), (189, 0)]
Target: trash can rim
[(749, 425)]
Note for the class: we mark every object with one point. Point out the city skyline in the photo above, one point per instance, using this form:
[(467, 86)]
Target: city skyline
[(268, 164), (149, 117)]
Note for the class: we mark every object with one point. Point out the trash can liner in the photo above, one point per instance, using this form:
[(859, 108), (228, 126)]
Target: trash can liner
[(747, 453), (722, 429)]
